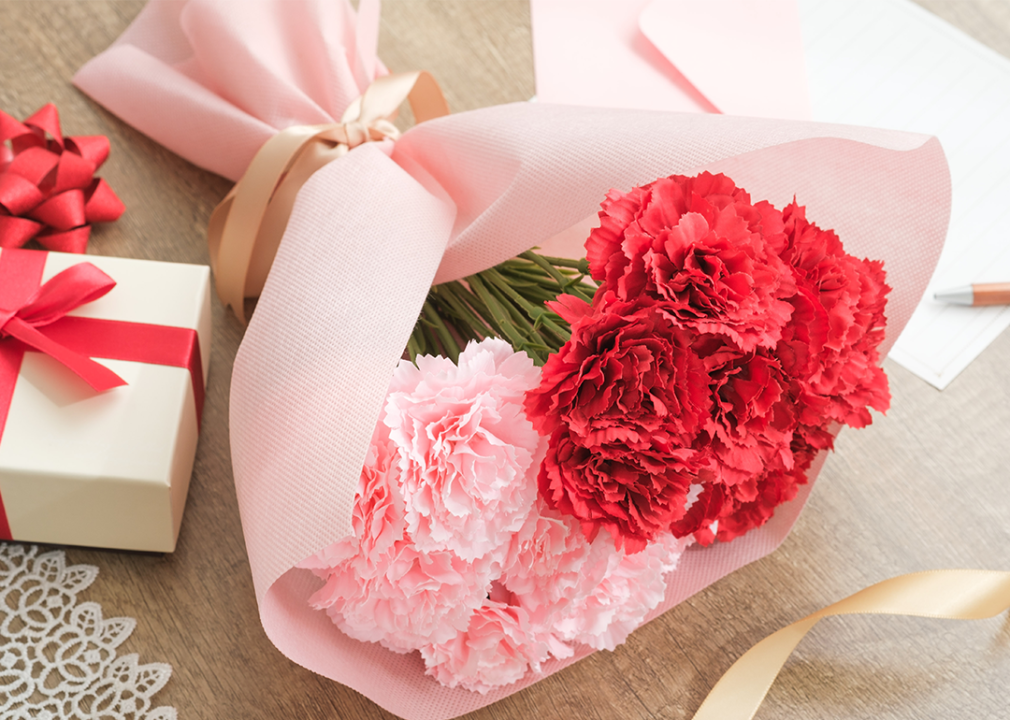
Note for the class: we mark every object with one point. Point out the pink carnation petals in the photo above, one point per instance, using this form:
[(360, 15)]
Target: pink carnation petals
[(379, 587), (465, 447), (498, 648), (620, 590), (453, 552)]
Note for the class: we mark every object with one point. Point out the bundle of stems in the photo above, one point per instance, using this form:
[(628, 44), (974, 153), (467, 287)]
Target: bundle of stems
[(506, 301)]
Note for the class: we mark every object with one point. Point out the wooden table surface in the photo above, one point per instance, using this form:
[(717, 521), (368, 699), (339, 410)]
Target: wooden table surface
[(927, 486)]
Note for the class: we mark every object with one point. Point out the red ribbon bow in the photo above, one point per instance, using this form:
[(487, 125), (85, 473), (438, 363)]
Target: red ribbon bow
[(34, 316), (71, 288), (47, 187)]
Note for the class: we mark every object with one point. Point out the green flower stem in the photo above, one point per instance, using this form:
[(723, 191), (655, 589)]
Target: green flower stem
[(581, 265), (536, 346), (531, 279), (507, 301), (459, 328), (412, 345), (538, 314), (468, 298), (546, 285), (546, 266), (565, 283), (445, 337), (467, 318), (417, 335), (529, 273), (431, 341), (496, 311)]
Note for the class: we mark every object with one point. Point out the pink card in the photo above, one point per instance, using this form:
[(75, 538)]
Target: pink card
[(730, 56)]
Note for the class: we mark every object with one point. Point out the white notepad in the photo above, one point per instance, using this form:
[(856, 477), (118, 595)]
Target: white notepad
[(892, 64)]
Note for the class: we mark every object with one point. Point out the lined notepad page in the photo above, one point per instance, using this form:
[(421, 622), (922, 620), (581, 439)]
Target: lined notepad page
[(892, 64)]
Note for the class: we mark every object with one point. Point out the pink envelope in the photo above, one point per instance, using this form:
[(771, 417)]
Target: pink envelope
[(737, 57)]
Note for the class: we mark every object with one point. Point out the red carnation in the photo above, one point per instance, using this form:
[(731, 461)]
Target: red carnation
[(625, 375), (701, 247), (753, 415), (633, 494), (725, 344), (623, 402), (831, 349), (727, 512)]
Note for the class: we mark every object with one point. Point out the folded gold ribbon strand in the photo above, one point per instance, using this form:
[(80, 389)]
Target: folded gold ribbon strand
[(951, 594), (246, 227)]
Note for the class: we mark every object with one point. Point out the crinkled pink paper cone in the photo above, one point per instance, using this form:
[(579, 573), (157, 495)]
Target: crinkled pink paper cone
[(452, 197)]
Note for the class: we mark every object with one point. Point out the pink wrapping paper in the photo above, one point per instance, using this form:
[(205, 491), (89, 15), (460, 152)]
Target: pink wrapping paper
[(454, 196)]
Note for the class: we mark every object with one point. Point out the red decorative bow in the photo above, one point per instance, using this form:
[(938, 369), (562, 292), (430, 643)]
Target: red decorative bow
[(65, 291), (47, 186)]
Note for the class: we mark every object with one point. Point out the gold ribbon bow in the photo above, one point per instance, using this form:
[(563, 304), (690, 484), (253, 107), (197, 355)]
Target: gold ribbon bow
[(246, 227), (951, 594)]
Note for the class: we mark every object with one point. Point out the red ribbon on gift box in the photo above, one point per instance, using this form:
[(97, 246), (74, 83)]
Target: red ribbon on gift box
[(33, 317), (47, 186)]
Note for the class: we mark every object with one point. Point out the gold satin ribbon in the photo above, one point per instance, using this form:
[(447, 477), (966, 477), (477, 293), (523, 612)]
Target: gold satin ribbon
[(245, 229), (951, 594)]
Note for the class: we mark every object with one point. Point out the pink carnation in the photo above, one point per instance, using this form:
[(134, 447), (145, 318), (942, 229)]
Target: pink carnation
[(497, 648), (379, 588), (543, 568), (619, 591), (574, 590), (467, 454), (415, 598)]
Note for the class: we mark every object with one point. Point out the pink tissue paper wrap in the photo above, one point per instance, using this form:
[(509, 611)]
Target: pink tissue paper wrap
[(453, 196)]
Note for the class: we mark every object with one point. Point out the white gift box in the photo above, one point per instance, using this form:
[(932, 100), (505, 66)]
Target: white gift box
[(108, 469)]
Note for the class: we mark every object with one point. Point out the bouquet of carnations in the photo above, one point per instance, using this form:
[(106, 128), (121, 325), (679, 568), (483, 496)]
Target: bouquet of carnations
[(585, 393), (505, 512)]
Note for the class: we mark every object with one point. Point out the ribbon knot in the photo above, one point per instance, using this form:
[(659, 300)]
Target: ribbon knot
[(247, 225), (75, 286), (358, 132)]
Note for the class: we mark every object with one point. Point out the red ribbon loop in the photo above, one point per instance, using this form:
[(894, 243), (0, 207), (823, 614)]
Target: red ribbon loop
[(75, 286)]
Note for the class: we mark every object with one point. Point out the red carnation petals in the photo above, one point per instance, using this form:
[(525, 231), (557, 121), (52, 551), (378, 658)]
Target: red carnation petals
[(47, 186), (634, 495), (623, 402), (726, 342)]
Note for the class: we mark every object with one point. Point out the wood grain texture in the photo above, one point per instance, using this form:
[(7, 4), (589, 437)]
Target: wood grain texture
[(928, 486)]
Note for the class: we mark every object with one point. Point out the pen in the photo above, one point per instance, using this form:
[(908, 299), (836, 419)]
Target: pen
[(976, 294)]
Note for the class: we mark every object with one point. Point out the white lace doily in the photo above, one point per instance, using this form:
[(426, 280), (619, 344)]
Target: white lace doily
[(57, 657)]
